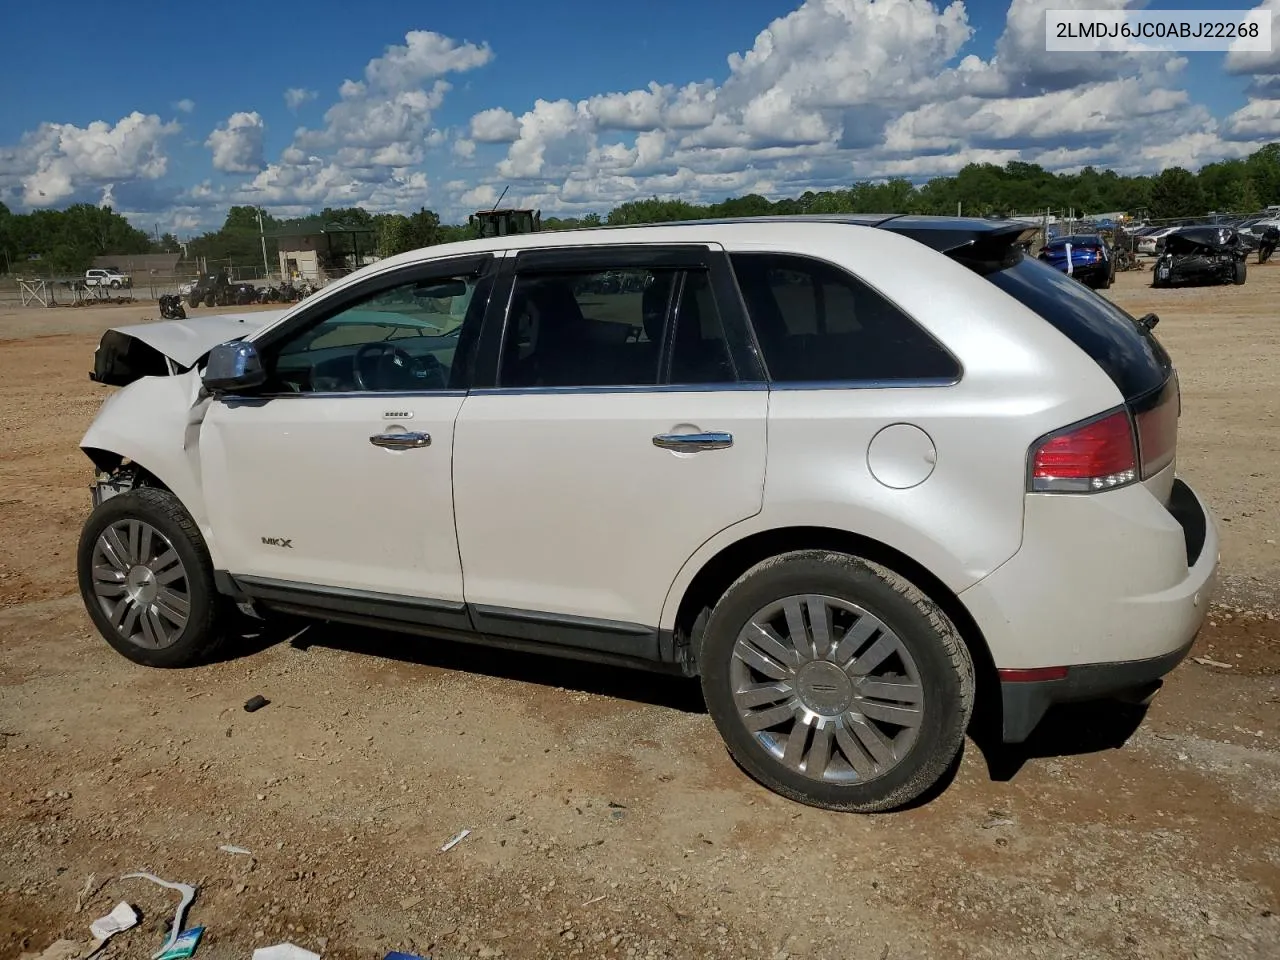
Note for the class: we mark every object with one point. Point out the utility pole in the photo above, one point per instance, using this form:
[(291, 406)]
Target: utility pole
[(263, 237)]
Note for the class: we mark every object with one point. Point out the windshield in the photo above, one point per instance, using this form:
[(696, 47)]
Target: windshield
[(397, 313)]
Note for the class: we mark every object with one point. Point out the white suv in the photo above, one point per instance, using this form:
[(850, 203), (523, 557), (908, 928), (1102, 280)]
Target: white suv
[(853, 472), (108, 277)]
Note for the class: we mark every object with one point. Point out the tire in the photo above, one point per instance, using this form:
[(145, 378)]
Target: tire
[(926, 660), (115, 284), (1241, 271), (112, 562)]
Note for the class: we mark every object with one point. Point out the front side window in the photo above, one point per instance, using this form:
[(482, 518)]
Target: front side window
[(400, 338), (815, 322), (609, 328)]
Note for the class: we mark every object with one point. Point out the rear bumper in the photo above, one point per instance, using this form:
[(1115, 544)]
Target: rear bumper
[(1093, 274), (1024, 704), (1109, 588)]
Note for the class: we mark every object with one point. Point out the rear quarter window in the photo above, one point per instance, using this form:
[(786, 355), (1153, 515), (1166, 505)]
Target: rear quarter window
[(815, 322), (1129, 354)]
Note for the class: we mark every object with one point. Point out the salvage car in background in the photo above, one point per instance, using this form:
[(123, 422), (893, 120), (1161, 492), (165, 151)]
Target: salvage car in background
[(1085, 257), (108, 277), (1200, 256), (1152, 243)]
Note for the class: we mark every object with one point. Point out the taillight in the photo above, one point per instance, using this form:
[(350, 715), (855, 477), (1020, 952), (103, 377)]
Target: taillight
[(1158, 430), (1089, 457)]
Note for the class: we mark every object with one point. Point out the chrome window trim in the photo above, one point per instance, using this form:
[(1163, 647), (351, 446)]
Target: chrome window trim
[(913, 383), (789, 385), (643, 388), (340, 395)]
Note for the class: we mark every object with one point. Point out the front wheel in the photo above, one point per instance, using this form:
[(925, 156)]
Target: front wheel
[(147, 580), (1239, 272), (836, 682)]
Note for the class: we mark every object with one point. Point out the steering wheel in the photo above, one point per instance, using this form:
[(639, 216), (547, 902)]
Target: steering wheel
[(386, 352)]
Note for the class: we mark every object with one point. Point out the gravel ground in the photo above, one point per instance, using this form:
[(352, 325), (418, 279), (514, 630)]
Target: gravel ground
[(606, 819)]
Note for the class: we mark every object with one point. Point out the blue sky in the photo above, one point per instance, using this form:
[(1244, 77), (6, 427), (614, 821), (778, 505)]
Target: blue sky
[(177, 111)]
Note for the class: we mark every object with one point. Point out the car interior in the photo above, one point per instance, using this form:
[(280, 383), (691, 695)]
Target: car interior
[(551, 341)]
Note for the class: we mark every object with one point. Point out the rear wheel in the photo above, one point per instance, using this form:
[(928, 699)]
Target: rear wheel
[(836, 682), (147, 581)]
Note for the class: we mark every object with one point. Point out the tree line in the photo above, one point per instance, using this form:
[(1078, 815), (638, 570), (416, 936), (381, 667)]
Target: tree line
[(66, 241)]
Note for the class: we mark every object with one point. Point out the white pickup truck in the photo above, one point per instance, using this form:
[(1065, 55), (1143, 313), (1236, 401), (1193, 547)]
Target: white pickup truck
[(107, 277)]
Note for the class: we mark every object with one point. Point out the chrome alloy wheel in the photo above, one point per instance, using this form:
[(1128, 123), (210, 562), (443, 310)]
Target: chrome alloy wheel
[(826, 688), (141, 584)]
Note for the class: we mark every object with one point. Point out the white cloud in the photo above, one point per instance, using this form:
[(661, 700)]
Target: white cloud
[(482, 197), (1257, 119), (237, 143), (1251, 63), (186, 105), (838, 90), (1022, 66), (373, 141), (1095, 111), (637, 110), (60, 162), (831, 92), (424, 55), (295, 97), (552, 134), (495, 126)]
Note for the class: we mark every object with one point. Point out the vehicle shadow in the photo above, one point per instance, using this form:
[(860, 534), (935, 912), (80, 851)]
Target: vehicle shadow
[(641, 686), (1069, 729)]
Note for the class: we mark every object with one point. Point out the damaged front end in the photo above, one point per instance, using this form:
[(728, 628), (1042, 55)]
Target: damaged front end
[(171, 347), (1201, 256), (146, 434)]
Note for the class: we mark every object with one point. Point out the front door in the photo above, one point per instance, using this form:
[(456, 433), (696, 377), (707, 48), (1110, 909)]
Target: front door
[(619, 438), (336, 475)]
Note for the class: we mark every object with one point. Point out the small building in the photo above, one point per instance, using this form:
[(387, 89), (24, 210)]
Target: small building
[(141, 266), (313, 250)]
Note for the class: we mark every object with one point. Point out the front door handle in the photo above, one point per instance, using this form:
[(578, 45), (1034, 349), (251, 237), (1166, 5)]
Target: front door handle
[(401, 441), (693, 442)]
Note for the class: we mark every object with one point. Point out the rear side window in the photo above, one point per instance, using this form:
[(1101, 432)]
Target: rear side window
[(815, 322), (614, 328), (1131, 356)]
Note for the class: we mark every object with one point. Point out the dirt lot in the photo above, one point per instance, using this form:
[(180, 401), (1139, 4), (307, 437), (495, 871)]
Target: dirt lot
[(606, 819)]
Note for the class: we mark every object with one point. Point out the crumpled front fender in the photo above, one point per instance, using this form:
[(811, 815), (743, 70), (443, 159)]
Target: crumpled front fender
[(155, 423)]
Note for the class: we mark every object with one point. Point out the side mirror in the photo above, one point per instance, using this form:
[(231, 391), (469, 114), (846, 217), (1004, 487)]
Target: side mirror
[(233, 367)]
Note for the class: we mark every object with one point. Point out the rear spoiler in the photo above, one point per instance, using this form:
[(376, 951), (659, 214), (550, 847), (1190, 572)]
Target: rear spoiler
[(979, 244)]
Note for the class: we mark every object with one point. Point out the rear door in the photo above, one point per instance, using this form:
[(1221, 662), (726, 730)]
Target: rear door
[(624, 425)]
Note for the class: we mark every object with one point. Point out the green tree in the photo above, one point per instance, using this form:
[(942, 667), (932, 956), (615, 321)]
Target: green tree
[(1176, 193), (168, 243), (399, 234)]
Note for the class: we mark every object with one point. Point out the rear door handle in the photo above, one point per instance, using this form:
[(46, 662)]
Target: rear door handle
[(693, 442), (401, 441)]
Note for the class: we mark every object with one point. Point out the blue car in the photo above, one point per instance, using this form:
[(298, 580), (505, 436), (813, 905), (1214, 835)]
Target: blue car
[(1084, 257)]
